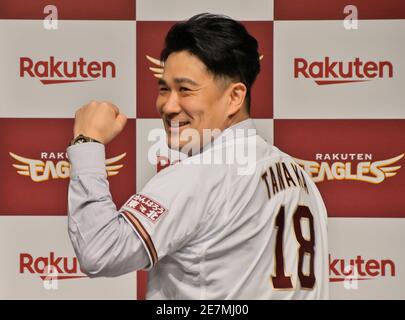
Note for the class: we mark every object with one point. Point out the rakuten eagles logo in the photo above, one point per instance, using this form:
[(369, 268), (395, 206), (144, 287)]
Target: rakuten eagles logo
[(50, 268), (55, 71), (55, 165), (328, 71), (350, 166)]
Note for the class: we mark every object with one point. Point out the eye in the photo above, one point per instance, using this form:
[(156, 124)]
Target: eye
[(184, 89), (163, 89)]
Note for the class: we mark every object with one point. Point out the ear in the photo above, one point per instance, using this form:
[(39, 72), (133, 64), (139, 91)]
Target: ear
[(237, 96)]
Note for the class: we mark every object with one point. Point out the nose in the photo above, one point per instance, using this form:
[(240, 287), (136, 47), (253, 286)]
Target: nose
[(171, 105)]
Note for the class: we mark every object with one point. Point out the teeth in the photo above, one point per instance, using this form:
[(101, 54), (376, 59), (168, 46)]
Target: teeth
[(176, 124)]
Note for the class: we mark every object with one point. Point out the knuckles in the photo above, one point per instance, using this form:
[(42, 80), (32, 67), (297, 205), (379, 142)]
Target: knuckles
[(96, 119), (96, 107), (77, 112)]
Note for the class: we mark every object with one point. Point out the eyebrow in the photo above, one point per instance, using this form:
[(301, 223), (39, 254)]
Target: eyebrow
[(179, 81)]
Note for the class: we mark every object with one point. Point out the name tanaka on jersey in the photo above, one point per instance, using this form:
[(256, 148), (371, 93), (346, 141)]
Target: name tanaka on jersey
[(278, 177)]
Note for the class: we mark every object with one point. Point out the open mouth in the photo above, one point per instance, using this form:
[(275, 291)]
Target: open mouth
[(176, 125)]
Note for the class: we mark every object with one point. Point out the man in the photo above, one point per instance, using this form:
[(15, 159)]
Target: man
[(205, 231)]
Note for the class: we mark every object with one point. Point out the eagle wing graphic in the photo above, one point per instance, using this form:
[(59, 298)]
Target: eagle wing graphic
[(389, 171), (158, 69), (24, 168), (112, 169)]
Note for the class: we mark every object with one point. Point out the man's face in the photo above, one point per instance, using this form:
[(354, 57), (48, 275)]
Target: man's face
[(190, 98)]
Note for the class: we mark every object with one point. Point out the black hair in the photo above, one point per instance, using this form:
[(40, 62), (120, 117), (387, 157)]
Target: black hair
[(221, 43)]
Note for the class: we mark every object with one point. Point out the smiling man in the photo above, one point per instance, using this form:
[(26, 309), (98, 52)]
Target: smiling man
[(192, 97), (204, 231)]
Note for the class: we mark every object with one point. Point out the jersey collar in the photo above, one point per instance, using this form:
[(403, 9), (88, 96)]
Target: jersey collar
[(242, 129)]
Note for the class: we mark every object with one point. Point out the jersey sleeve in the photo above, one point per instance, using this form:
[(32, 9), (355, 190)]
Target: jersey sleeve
[(167, 212), (103, 241)]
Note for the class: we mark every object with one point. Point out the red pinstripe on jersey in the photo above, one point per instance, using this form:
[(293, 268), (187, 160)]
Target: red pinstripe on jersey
[(143, 234)]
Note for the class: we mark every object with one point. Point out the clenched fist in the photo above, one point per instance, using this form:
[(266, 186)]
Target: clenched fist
[(99, 120)]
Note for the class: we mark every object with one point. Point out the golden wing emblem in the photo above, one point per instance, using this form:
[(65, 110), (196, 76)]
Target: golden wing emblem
[(389, 171), (24, 168), (158, 69), (158, 66), (112, 170)]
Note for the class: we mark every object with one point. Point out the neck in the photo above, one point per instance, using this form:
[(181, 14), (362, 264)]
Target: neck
[(238, 117)]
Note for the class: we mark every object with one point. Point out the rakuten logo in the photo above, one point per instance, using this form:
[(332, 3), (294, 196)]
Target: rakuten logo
[(337, 72), (359, 269), (58, 71), (51, 267)]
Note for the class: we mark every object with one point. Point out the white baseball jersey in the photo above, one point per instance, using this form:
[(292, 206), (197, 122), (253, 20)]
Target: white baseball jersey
[(239, 220), (214, 233)]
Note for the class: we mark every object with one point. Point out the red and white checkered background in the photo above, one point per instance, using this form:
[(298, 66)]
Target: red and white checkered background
[(332, 97)]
